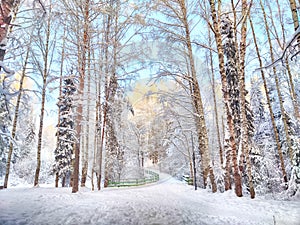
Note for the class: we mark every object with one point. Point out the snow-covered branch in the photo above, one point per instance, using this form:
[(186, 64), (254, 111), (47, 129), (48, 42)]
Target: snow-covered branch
[(283, 55), (7, 70)]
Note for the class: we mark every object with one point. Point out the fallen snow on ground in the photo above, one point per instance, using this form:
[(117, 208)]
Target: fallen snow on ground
[(167, 202)]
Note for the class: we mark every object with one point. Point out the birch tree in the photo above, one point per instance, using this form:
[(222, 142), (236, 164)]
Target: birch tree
[(215, 14), (45, 48)]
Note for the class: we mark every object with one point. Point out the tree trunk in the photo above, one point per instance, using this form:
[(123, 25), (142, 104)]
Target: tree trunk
[(269, 105), (228, 162), (198, 106), (56, 179), (45, 75), (99, 134), (86, 153), (40, 134), (97, 130), (215, 100), (63, 182), (216, 22), (293, 7), (79, 110), (245, 134)]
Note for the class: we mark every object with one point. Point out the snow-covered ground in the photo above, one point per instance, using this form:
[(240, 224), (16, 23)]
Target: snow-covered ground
[(167, 202)]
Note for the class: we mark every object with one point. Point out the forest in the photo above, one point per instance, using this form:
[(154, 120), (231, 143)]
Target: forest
[(93, 92)]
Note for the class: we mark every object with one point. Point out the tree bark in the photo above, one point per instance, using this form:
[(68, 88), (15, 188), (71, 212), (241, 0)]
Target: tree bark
[(245, 134), (216, 22), (107, 91), (293, 7), (79, 111), (40, 134), (99, 134), (86, 153), (197, 100), (45, 76)]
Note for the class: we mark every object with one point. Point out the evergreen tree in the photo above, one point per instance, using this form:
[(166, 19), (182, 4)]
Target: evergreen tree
[(114, 162), (25, 166), (66, 133)]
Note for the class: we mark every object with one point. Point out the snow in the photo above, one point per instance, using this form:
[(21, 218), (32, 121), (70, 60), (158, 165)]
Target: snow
[(168, 201)]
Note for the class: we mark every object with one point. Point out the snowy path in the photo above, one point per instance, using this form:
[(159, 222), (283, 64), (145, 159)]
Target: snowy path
[(166, 202)]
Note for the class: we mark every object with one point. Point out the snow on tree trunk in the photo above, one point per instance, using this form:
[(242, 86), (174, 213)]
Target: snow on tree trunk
[(232, 75), (247, 124), (113, 152), (226, 98)]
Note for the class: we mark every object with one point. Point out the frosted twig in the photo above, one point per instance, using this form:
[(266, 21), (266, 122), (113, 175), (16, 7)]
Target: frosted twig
[(295, 36), (6, 69)]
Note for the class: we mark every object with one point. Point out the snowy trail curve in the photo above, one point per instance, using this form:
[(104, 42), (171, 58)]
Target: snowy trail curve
[(167, 202)]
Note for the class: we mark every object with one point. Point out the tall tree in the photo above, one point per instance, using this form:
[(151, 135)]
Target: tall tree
[(85, 150), (230, 123), (82, 72), (45, 46), (247, 127)]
